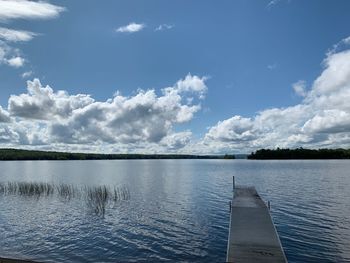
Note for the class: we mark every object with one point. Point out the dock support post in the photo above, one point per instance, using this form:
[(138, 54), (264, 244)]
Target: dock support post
[(233, 183), (269, 205)]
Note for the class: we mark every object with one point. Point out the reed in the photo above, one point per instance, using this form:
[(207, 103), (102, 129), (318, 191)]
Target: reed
[(98, 198), (120, 193), (26, 189), (67, 191)]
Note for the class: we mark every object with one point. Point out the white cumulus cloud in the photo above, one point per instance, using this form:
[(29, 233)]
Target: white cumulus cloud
[(149, 121), (234, 129), (177, 141), (16, 62), (144, 121), (322, 119), (43, 103), (4, 115), (131, 28)]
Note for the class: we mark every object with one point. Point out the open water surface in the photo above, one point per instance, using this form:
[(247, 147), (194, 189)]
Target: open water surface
[(178, 210)]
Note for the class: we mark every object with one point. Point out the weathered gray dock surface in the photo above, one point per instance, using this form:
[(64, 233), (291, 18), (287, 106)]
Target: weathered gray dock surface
[(252, 237)]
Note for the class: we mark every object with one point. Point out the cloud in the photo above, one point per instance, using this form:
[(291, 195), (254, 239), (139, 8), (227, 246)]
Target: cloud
[(163, 27), (328, 121), (149, 121), (131, 28), (190, 84), (27, 74), (272, 3), (177, 141), (43, 103), (24, 9), (143, 121), (10, 56), (16, 62), (4, 50), (272, 66), (21, 9), (342, 44), (299, 88), (234, 129), (321, 120), (15, 35), (144, 117), (4, 115), (7, 135), (346, 40)]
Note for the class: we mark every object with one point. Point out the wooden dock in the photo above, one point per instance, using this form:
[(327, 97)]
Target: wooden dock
[(253, 236)]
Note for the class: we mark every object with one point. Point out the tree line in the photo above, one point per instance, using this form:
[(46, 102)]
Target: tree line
[(18, 154), (299, 153)]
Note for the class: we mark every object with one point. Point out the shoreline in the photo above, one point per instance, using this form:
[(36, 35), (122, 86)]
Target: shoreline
[(31, 155)]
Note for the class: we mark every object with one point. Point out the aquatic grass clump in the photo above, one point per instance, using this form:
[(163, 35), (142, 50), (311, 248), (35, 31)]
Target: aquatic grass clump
[(67, 191), (97, 197), (120, 193), (2, 188), (35, 189), (10, 188), (26, 189)]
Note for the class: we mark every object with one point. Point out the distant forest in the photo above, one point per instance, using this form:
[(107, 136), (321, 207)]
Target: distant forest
[(299, 153), (16, 154)]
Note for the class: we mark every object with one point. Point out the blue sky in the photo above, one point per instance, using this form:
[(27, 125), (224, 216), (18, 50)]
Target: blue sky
[(242, 75)]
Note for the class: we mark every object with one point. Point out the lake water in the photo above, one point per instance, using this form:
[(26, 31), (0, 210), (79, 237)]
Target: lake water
[(178, 210)]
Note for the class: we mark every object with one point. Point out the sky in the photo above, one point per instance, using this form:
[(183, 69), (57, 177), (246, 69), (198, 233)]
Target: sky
[(198, 77)]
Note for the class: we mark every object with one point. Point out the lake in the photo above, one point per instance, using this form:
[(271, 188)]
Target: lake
[(178, 210)]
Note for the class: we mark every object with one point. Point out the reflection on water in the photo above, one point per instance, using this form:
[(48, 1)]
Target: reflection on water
[(178, 210)]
